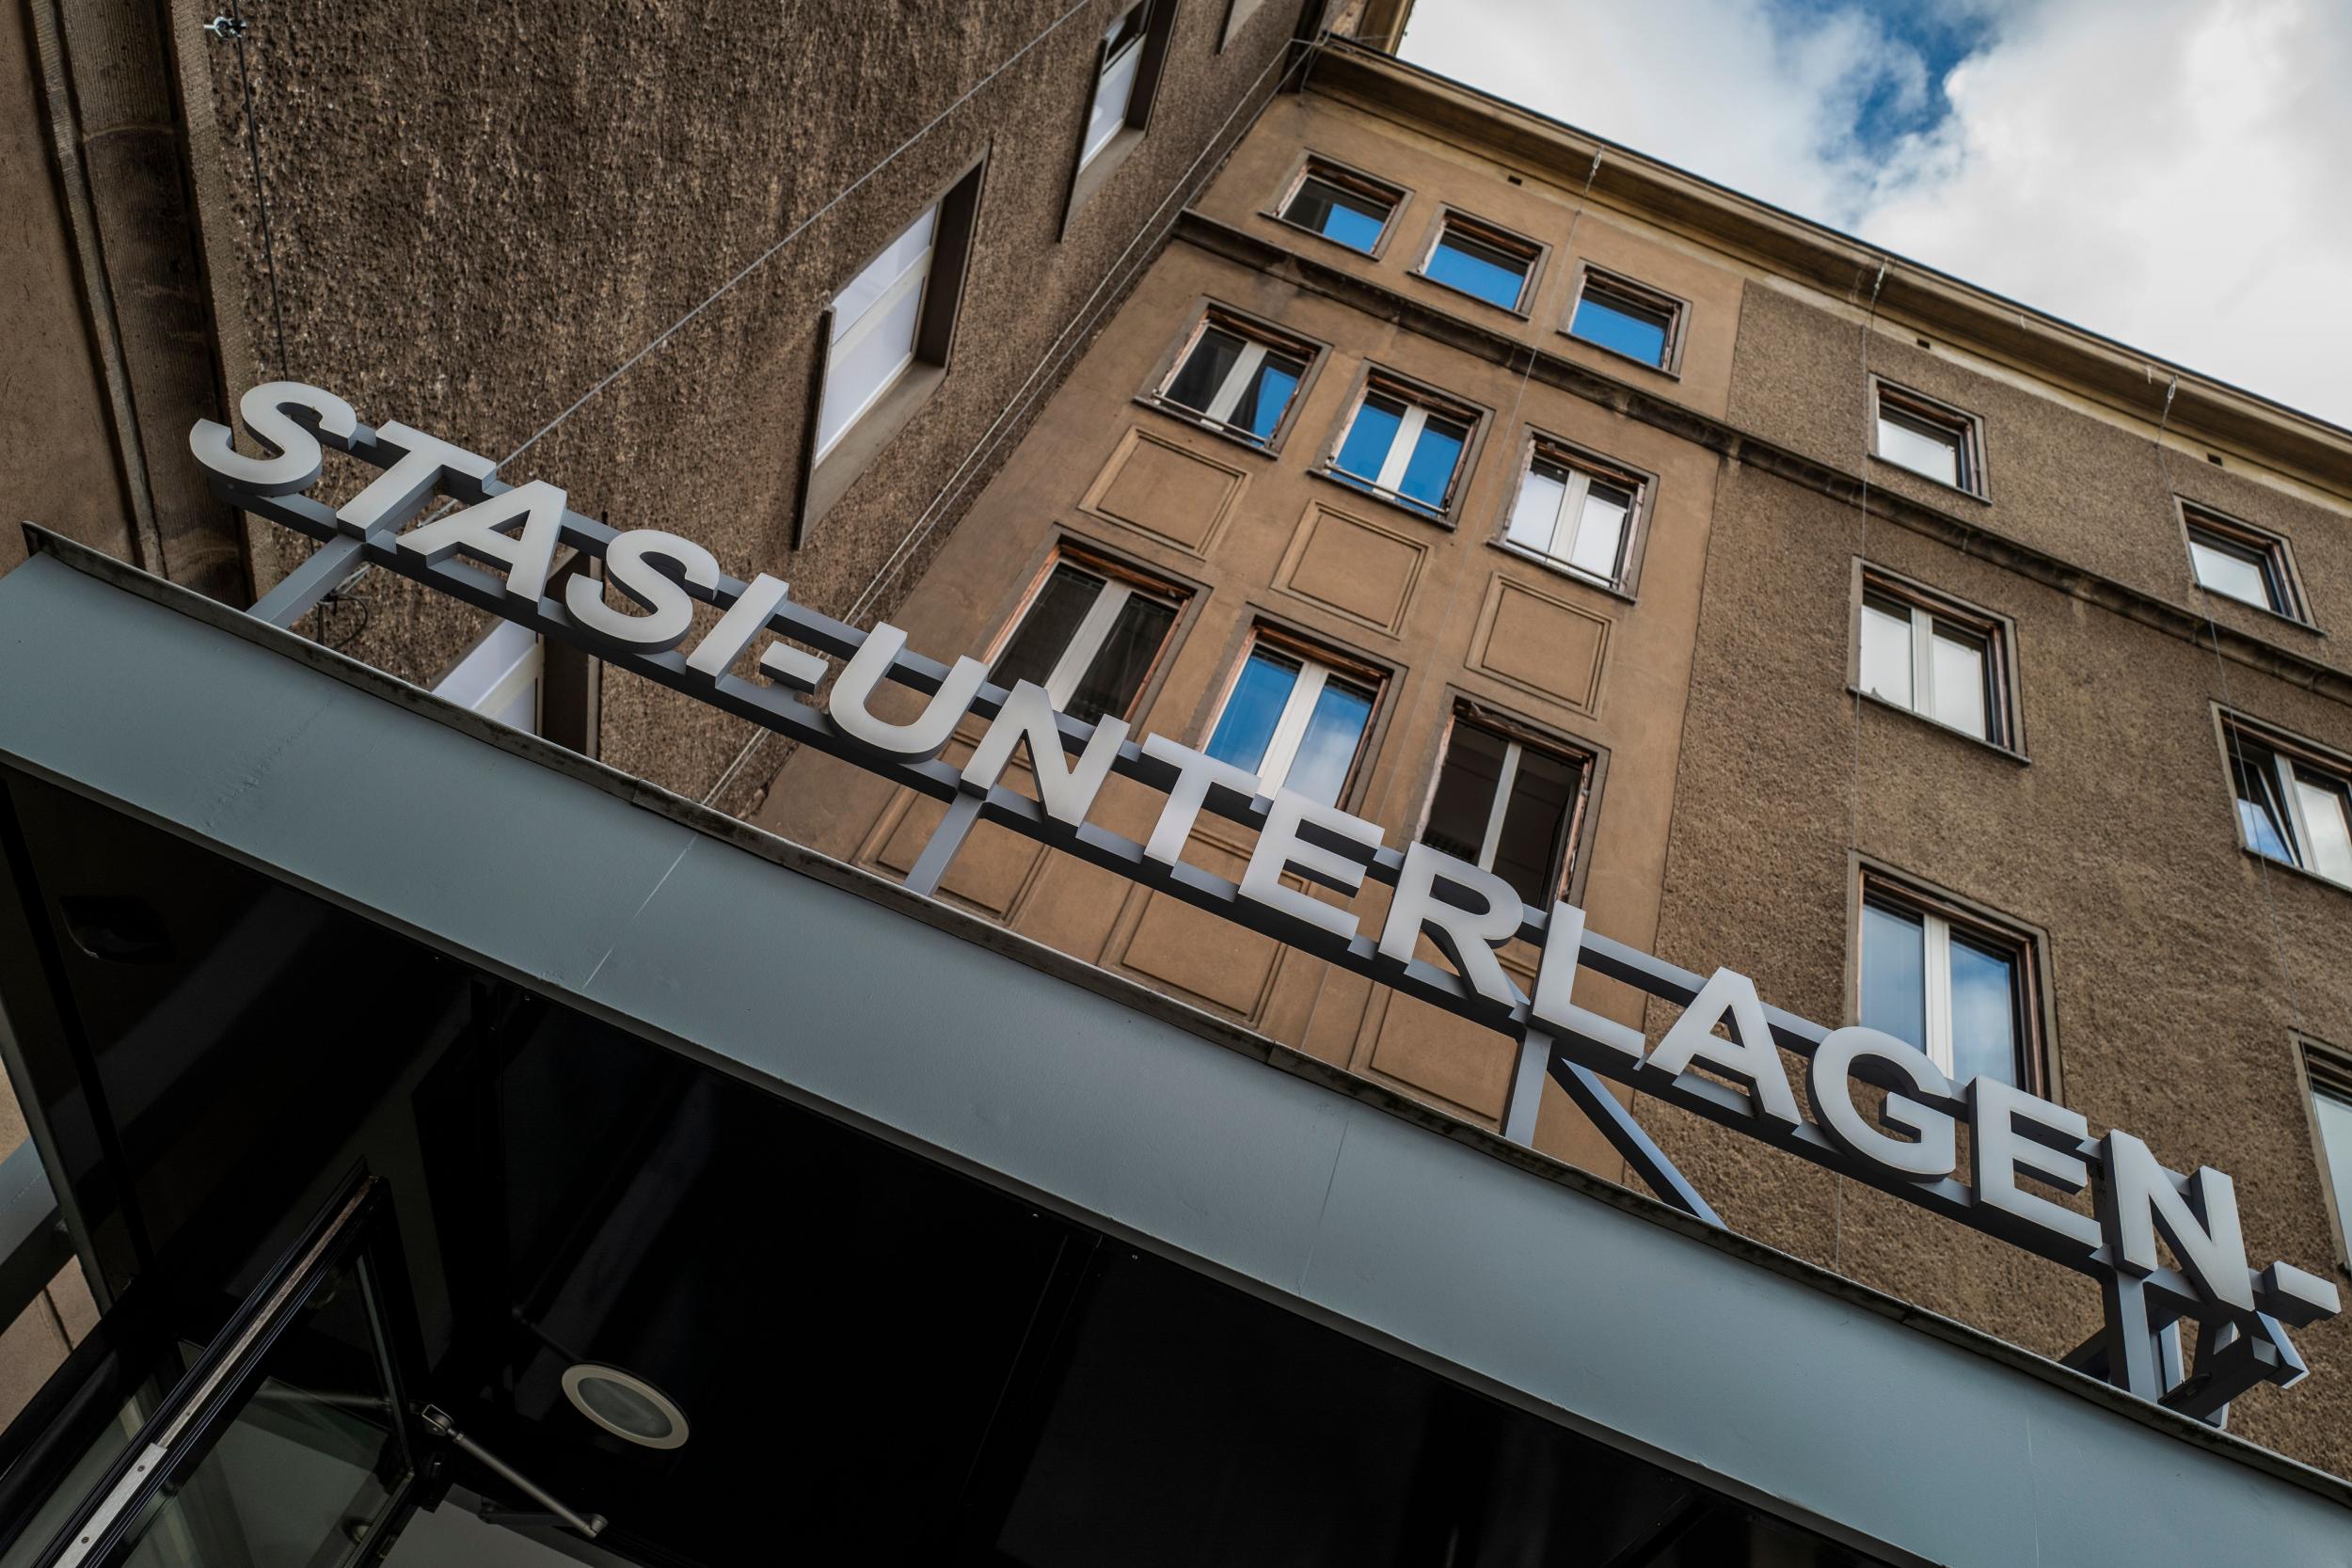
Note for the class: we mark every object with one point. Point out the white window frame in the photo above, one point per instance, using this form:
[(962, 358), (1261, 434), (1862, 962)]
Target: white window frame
[(1228, 396), (1093, 629), (917, 275), (1128, 57), (2283, 768), (1891, 404), (1923, 698), (1290, 730), (2282, 594), (1582, 476), (1349, 181), (1486, 236), (1399, 456), (1936, 951)]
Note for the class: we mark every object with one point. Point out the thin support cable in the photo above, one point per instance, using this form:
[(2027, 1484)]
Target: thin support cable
[(260, 189), (1854, 790), (1017, 405)]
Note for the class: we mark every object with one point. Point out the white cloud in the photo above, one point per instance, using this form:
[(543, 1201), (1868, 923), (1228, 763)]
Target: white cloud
[(2167, 172)]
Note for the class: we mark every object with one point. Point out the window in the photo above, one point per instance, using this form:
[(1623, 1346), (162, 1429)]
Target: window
[(1340, 205), (1115, 80), (2329, 1077), (1402, 444), (885, 342), (2240, 562), (1928, 438), (1624, 318), (1090, 636), (1294, 720), (1238, 376), (1959, 990), (1507, 805), (1574, 513), (1933, 656), (2294, 805), (1478, 259)]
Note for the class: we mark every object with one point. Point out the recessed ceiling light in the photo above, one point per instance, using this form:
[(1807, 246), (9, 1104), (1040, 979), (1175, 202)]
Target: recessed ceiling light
[(624, 1406)]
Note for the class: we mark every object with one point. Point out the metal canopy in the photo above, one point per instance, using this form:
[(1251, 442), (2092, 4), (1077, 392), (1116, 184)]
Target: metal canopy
[(1599, 1308)]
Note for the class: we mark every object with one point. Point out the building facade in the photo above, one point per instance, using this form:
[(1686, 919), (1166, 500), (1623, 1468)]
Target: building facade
[(1932, 662)]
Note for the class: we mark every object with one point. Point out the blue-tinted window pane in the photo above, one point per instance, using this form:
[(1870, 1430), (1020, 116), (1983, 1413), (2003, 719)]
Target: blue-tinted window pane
[(1494, 275), (1621, 324), (1894, 974), (1369, 438), (1268, 395), (1337, 214), (1430, 469), (2259, 812), (1333, 729), (1253, 710), (1984, 1014)]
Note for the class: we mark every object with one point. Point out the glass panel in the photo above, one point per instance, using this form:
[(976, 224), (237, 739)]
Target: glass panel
[(1267, 397), (1047, 628), (1985, 1013), (1493, 275), (1894, 974), (1958, 678), (1320, 770), (1535, 516), (2261, 814), (1922, 447), (1466, 792), (902, 254), (1253, 709), (1205, 370), (1429, 472), (1886, 654), (1369, 435), (2232, 570), (307, 1468), (2322, 799), (1112, 94), (2334, 1114), (1111, 682), (1614, 322), (1600, 536), (861, 372), (1338, 214), (1526, 856)]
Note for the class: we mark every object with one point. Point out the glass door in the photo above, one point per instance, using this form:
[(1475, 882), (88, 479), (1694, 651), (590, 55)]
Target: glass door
[(287, 1444)]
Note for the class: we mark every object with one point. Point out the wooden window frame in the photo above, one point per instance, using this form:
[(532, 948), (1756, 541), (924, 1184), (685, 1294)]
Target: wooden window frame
[(821, 483), (2293, 751), (2278, 560), (1264, 631), (2316, 1062), (1067, 550), (1313, 164), (1207, 313), (2004, 714), (1537, 444), (1420, 394), (1494, 235), (1676, 310), (2028, 946), (1923, 409), (1566, 879)]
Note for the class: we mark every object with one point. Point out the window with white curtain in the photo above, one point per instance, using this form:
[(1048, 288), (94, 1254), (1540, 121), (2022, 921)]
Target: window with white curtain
[(1934, 659), (876, 322), (2294, 805), (1575, 513), (1115, 83)]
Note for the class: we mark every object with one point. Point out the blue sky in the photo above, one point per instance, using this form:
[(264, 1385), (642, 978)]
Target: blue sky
[(2169, 172)]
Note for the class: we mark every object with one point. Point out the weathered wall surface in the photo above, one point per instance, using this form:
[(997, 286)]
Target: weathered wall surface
[(2180, 963), (477, 219)]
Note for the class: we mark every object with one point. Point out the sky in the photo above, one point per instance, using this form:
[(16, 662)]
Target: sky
[(2175, 174)]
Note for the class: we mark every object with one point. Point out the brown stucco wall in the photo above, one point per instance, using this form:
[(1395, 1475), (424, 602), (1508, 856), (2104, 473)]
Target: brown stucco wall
[(476, 219), (2173, 1004)]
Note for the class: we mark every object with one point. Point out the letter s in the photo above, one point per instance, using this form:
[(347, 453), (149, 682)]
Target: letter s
[(263, 408)]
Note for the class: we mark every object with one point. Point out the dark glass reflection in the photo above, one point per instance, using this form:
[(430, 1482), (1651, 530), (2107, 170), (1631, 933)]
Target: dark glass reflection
[(1355, 221), (1205, 370), (1535, 824), (1267, 397), (1465, 797), (1046, 629), (1124, 660)]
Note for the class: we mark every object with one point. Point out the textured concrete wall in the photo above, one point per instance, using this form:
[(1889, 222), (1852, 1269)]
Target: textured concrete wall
[(478, 214), (2174, 1003)]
